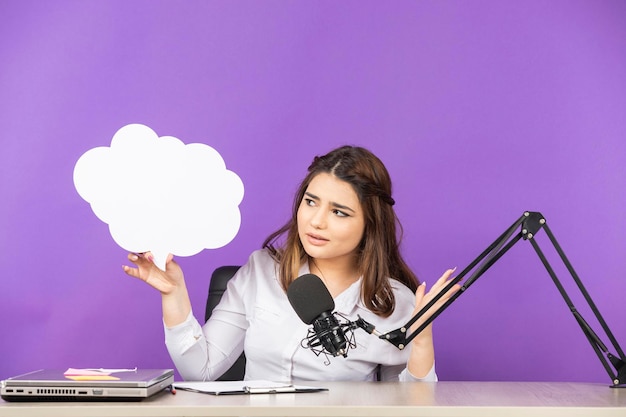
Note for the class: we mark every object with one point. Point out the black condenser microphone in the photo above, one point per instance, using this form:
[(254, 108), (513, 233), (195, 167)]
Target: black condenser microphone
[(311, 300)]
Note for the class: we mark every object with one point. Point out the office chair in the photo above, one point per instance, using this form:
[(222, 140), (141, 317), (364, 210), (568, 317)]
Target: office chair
[(217, 286)]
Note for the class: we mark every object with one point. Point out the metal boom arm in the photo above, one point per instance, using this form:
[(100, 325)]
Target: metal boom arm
[(529, 223)]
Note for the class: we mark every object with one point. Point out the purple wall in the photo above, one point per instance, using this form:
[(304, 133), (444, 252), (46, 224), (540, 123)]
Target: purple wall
[(481, 110)]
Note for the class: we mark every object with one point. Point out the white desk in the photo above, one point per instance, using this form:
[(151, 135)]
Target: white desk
[(476, 399)]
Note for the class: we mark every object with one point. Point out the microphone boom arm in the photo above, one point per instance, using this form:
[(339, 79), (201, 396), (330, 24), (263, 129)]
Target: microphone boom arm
[(529, 223)]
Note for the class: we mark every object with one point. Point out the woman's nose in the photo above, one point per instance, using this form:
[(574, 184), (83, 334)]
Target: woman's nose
[(318, 220)]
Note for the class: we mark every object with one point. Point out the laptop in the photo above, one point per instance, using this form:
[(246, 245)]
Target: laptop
[(87, 385)]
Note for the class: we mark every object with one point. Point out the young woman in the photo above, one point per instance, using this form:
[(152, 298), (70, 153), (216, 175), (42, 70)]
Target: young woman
[(343, 229)]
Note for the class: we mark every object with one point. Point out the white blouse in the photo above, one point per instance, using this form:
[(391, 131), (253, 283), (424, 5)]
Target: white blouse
[(255, 316)]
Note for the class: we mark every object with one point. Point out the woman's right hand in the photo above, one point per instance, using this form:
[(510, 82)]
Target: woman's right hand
[(166, 282)]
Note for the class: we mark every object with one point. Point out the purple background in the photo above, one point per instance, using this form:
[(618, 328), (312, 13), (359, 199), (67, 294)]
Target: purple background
[(480, 110)]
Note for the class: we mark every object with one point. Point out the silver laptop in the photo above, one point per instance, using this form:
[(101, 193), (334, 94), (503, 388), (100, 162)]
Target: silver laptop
[(56, 385)]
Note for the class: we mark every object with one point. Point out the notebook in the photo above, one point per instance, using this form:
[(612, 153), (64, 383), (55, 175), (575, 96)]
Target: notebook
[(244, 387), (87, 385)]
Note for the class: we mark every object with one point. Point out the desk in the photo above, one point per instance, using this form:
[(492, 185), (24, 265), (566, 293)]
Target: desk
[(474, 399)]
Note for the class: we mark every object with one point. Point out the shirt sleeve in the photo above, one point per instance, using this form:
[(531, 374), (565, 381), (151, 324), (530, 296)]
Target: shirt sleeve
[(204, 353), (194, 356), (406, 376)]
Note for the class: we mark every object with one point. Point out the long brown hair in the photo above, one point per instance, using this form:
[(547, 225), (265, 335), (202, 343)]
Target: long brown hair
[(378, 253)]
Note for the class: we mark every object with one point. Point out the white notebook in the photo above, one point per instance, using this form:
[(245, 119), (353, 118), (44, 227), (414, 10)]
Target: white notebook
[(244, 387)]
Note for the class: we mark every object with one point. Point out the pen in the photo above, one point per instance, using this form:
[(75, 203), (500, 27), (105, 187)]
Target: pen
[(269, 390)]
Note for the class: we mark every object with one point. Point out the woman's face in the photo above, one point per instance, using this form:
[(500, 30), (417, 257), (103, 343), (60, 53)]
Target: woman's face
[(331, 221)]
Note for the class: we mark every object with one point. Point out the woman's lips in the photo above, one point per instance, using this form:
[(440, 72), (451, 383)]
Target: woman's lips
[(316, 239)]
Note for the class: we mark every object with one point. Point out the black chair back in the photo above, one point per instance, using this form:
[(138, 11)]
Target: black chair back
[(217, 286)]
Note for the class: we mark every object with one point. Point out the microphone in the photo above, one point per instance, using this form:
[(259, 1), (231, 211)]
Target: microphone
[(311, 300)]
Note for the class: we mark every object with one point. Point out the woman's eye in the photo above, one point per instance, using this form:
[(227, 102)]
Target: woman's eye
[(340, 213), (309, 202)]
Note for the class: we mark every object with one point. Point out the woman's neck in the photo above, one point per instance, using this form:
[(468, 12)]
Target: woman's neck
[(337, 275)]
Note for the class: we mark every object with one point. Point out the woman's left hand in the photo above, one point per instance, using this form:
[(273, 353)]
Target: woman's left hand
[(422, 356), (422, 297)]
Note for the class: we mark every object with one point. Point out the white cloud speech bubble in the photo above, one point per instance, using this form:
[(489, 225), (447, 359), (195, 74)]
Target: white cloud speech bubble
[(158, 194)]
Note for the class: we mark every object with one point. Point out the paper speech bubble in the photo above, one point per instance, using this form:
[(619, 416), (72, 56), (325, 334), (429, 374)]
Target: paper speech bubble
[(158, 194)]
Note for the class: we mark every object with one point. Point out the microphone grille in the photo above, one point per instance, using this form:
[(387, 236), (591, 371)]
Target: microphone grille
[(309, 297)]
